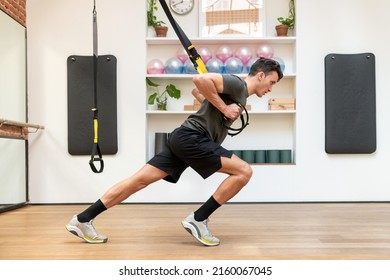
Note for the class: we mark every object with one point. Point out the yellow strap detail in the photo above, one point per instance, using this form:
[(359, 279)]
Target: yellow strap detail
[(201, 67), (95, 130)]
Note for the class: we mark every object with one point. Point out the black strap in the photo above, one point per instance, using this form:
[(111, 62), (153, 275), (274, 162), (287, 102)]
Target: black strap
[(198, 63), (190, 49), (96, 154)]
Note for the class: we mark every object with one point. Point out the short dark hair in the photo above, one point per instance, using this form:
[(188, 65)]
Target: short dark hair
[(266, 65)]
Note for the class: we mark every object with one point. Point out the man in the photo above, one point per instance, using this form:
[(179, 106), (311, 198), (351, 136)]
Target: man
[(196, 143)]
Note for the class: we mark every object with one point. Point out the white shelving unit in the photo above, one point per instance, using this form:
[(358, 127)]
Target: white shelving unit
[(267, 129)]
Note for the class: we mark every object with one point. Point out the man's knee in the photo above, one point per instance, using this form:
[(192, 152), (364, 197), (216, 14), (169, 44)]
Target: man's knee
[(245, 173)]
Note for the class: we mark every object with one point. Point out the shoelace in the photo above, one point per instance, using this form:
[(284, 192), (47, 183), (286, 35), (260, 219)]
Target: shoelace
[(208, 233), (92, 228)]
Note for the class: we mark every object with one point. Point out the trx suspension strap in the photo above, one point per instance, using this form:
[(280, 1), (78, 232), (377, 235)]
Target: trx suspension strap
[(96, 154), (199, 65), (190, 49)]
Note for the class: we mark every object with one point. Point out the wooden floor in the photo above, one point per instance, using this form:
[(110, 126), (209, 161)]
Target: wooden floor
[(323, 231)]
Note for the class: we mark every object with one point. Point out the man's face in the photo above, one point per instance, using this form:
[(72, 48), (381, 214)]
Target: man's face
[(266, 82)]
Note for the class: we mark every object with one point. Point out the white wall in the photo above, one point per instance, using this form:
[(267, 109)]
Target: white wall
[(57, 29)]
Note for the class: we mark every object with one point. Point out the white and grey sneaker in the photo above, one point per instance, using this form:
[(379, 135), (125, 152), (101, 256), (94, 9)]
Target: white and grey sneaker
[(200, 231), (85, 231)]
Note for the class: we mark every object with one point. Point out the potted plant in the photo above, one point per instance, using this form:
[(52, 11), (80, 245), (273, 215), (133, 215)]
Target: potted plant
[(162, 98), (159, 26), (288, 22)]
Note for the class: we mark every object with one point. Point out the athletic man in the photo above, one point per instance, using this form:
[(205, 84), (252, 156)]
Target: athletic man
[(196, 143)]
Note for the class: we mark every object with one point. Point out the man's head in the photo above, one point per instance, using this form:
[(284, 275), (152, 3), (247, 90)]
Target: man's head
[(267, 66), (263, 75)]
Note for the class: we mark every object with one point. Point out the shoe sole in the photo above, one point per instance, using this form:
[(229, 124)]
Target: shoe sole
[(76, 231), (192, 229)]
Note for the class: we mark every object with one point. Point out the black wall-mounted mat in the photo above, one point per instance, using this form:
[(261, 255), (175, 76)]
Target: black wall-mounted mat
[(81, 102), (350, 104)]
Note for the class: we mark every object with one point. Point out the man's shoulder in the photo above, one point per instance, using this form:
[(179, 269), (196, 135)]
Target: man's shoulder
[(232, 78)]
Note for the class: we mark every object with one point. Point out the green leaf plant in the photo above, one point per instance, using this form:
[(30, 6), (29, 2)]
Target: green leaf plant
[(290, 20), (162, 97)]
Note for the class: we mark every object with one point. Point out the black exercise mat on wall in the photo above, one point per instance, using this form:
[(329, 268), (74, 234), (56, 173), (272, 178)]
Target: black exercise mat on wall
[(81, 101), (350, 104)]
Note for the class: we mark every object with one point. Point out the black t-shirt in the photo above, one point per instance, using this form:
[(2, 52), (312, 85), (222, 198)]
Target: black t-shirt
[(209, 119)]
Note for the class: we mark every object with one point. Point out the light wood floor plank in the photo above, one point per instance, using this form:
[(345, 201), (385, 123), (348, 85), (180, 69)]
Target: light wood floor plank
[(353, 231)]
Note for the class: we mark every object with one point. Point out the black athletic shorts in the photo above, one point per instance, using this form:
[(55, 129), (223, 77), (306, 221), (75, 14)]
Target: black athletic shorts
[(189, 147)]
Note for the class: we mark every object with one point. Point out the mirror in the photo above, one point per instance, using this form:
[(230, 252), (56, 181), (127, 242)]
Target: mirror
[(13, 152)]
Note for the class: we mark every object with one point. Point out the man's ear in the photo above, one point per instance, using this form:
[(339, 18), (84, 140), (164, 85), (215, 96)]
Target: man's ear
[(261, 75)]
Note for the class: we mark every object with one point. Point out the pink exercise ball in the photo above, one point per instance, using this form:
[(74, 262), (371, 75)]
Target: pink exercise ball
[(243, 54), (265, 50), (182, 54), (224, 52), (155, 66), (205, 53)]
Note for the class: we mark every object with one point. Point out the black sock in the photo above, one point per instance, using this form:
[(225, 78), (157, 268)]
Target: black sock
[(206, 209), (91, 212)]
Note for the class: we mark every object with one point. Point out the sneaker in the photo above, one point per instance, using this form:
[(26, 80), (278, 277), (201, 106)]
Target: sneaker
[(85, 231), (200, 231)]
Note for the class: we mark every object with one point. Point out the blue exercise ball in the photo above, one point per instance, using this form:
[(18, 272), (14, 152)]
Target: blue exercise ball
[(215, 65), (281, 62), (233, 65), (250, 63), (189, 67), (174, 66)]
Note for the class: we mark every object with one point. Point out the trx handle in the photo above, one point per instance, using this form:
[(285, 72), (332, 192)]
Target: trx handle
[(244, 123), (198, 63), (96, 155)]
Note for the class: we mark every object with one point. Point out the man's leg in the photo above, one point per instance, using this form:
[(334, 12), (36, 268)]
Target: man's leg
[(81, 224), (239, 173)]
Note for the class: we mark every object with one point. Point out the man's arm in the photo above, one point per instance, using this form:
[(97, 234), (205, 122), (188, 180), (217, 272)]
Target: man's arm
[(209, 85), (197, 95)]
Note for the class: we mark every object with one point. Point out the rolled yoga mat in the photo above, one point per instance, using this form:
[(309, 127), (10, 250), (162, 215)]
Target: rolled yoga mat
[(161, 139)]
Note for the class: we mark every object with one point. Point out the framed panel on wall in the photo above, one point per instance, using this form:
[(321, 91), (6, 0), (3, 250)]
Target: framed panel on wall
[(231, 18)]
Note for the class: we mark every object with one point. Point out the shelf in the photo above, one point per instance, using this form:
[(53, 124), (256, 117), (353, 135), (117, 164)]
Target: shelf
[(220, 40), (276, 112), (273, 164), (190, 76), (275, 128)]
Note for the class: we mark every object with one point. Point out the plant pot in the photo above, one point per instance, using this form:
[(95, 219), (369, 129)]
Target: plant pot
[(162, 106), (161, 31), (281, 30)]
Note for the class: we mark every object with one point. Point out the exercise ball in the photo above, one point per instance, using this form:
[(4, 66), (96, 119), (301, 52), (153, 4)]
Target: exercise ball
[(173, 66), (265, 50), (250, 63), (243, 54), (182, 54), (189, 67), (215, 65), (281, 62), (233, 65), (155, 66), (205, 53), (224, 52)]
